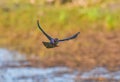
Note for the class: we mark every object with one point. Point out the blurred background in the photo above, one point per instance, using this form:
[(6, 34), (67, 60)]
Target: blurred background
[(98, 45)]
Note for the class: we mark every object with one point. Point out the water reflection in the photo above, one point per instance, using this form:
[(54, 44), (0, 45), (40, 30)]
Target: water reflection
[(12, 70)]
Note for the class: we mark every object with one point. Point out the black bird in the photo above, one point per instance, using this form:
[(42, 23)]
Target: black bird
[(54, 41)]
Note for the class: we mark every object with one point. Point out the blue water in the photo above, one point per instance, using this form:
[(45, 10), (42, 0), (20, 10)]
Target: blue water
[(12, 70)]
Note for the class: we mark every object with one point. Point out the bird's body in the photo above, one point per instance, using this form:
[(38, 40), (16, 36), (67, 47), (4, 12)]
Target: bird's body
[(49, 45), (54, 41)]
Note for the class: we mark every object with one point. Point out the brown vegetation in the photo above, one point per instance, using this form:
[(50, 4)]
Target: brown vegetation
[(90, 49)]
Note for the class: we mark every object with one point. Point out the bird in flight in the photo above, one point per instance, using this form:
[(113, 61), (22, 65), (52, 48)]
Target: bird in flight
[(54, 41)]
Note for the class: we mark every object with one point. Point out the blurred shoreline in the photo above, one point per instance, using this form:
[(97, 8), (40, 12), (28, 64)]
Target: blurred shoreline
[(14, 67)]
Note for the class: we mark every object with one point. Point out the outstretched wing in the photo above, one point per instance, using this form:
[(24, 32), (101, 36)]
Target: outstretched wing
[(43, 31), (72, 37)]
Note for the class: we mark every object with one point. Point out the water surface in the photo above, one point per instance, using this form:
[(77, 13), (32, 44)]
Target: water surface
[(15, 68)]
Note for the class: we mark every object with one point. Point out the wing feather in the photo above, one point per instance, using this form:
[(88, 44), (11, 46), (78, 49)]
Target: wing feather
[(72, 37), (43, 31)]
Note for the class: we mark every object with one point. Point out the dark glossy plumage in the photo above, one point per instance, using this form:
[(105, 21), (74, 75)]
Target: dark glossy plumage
[(72, 37), (44, 31), (54, 41)]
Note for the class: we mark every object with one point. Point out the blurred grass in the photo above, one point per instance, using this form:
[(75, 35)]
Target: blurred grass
[(97, 24), (62, 17)]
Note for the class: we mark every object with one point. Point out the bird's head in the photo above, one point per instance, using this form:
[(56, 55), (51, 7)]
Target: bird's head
[(56, 40)]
